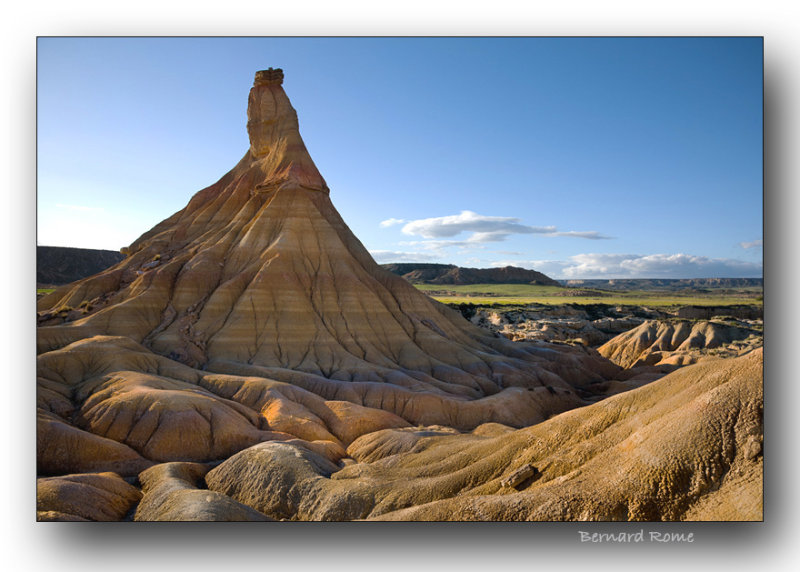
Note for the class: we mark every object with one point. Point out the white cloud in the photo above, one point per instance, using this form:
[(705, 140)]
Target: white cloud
[(391, 222), (756, 243), (468, 221), (590, 234), (641, 266), (484, 228), (386, 256)]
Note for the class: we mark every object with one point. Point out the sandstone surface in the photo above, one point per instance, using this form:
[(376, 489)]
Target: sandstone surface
[(253, 333), (90, 496), (170, 492), (254, 313), (679, 342), (589, 325), (681, 447)]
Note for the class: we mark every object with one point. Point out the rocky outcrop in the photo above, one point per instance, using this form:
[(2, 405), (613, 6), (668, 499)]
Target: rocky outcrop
[(641, 455), (680, 342), (254, 314), (252, 332), (589, 325), (656, 460), (112, 404)]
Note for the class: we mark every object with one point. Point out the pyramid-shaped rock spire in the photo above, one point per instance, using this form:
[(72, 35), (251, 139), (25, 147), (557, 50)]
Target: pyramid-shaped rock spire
[(259, 276), (272, 125)]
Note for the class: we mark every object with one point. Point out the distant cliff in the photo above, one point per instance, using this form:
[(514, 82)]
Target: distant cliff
[(451, 274), (56, 265)]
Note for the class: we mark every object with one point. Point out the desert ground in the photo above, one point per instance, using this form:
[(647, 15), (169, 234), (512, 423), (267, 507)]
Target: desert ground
[(248, 360)]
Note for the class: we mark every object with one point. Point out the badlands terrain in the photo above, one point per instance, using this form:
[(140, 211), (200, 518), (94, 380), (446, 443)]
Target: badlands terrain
[(248, 360)]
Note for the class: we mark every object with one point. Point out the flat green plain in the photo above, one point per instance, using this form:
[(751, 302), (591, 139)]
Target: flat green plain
[(524, 294)]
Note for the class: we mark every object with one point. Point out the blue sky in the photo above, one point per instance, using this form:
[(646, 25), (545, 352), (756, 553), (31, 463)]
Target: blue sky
[(581, 158)]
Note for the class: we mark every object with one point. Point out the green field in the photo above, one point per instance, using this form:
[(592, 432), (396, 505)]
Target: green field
[(44, 290), (523, 294)]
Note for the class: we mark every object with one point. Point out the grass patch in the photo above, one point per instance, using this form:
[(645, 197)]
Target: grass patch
[(524, 294), (45, 290), (509, 290)]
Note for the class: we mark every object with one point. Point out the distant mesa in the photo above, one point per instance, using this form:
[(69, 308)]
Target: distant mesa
[(427, 273), (57, 265)]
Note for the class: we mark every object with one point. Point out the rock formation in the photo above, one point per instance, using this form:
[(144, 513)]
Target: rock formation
[(252, 332), (642, 455), (283, 324), (429, 273), (590, 326), (680, 342)]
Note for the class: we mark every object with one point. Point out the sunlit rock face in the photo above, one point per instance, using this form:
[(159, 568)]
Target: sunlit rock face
[(680, 342), (259, 276), (252, 330)]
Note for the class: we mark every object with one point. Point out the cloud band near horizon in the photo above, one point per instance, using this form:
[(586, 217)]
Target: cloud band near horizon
[(679, 265), (482, 228)]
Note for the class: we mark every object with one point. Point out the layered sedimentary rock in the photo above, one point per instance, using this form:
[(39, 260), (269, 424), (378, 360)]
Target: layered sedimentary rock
[(251, 332), (170, 492), (255, 314), (90, 496), (590, 326), (688, 446), (680, 342)]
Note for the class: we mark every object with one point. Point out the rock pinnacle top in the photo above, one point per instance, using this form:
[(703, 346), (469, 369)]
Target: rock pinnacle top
[(269, 77), (275, 134)]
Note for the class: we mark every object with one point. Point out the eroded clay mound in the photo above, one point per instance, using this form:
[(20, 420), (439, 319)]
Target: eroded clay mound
[(170, 492), (686, 446), (91, 496), (589, 326), (259, 276), (251, 331), (107, 403), (679, 342)]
